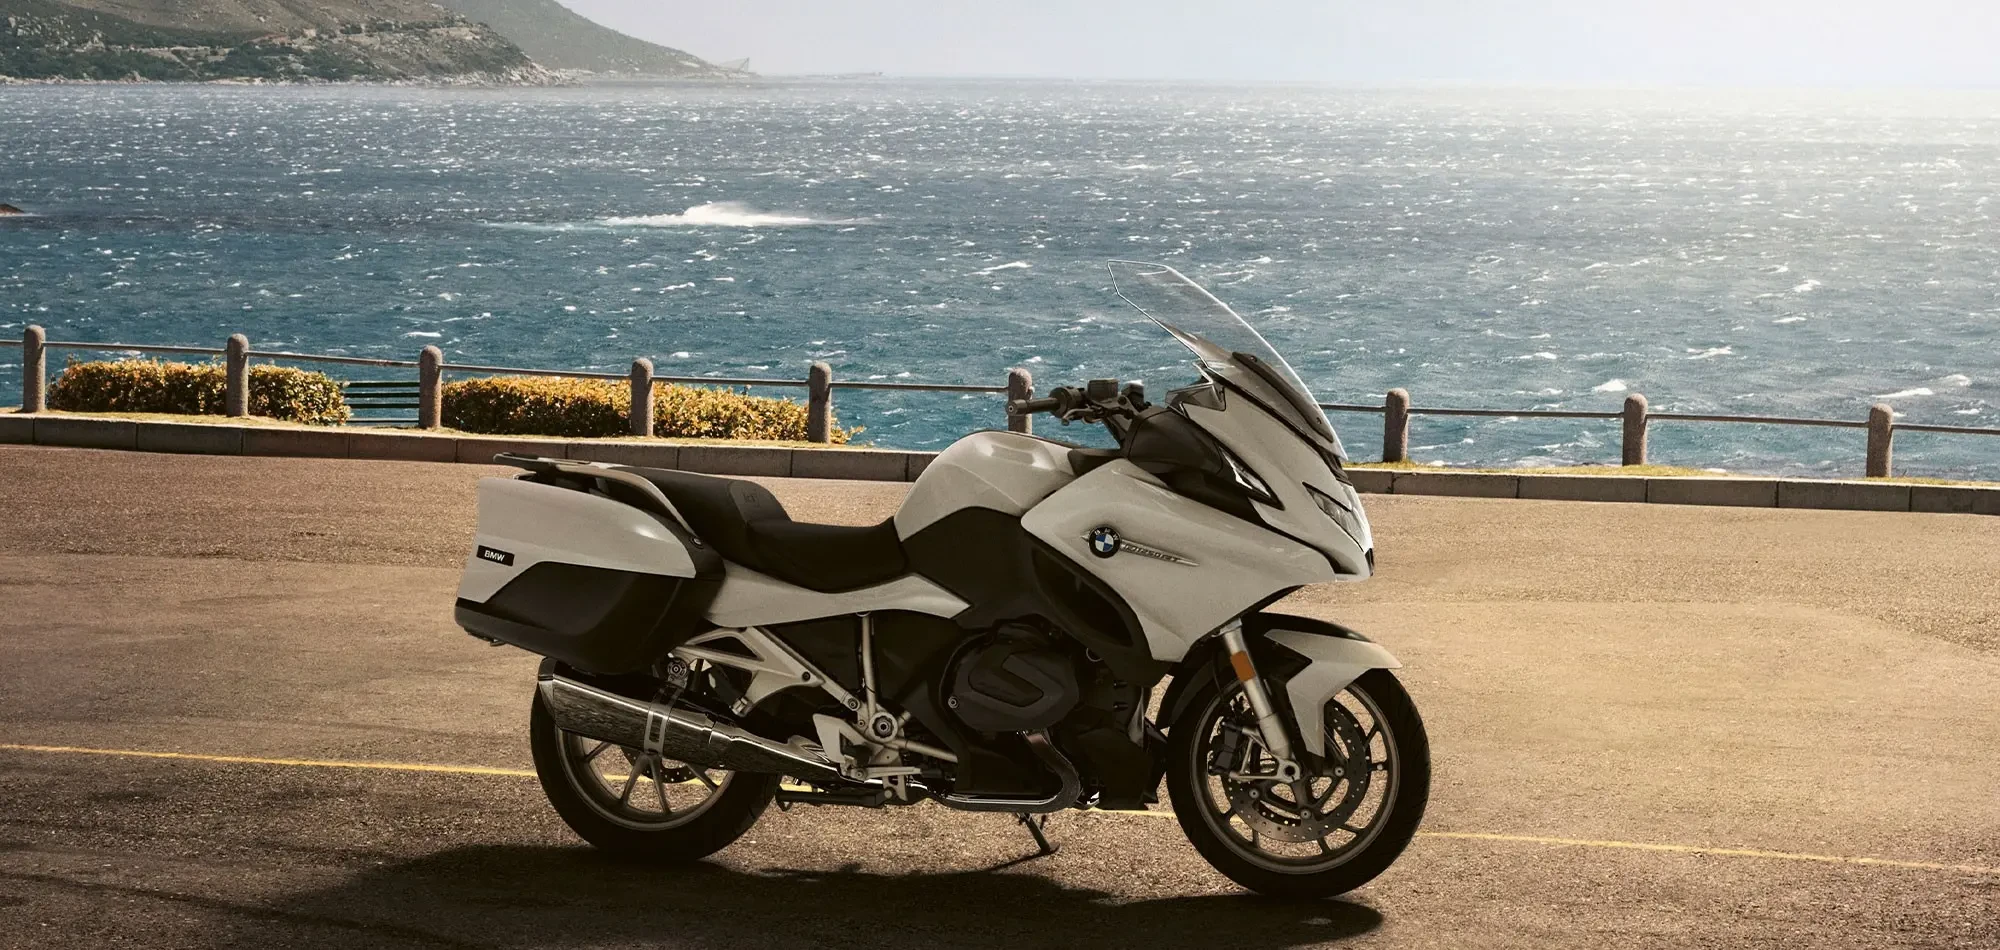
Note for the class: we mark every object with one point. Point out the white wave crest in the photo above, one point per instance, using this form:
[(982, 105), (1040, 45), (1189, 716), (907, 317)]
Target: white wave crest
[(1805, 287), (1906, 393), (1610, 386), (719, 214), (1012, 265), (1956, 379), (1789, 320)]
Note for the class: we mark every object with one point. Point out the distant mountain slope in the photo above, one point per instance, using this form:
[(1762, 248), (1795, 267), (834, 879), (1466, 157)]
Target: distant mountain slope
[(255, 16), (278, 40), (561, 38)]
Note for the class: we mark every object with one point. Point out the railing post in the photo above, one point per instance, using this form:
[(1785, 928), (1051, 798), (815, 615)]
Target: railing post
[(639, 421), (34, 369), (1396, 426), (819, 403), (236, 390), (1881, 433), (1020, 385), (1635, 430), (430, 388)]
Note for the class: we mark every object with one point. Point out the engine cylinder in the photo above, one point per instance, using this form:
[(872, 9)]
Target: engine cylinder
[(1014, 681)]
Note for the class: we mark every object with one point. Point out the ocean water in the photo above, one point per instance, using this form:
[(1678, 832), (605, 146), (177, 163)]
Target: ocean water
[(1754, 253)]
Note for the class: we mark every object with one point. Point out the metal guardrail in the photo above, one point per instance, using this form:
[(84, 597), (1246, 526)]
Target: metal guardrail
[(1638, 418), (819, 385), (425, 393)]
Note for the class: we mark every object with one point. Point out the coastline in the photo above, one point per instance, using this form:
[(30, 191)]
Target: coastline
[(554, 79), (537, 78), (549, 78), (539, 228)]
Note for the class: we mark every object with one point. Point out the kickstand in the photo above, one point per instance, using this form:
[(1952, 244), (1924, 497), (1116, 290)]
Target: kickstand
[(1035, 827)]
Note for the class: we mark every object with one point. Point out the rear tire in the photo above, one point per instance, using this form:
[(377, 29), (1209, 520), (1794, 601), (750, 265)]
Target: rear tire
[(728, 811), (1234, 846)]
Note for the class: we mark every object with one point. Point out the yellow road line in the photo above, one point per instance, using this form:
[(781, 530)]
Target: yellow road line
[(1449, 835), (253, 760), (1718, 852)]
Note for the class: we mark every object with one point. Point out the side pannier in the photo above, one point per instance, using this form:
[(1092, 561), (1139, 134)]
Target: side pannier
[(561, 570)]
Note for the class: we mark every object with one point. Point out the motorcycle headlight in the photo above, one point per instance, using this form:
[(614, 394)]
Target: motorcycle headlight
[(1337, 510), (1248, 480)]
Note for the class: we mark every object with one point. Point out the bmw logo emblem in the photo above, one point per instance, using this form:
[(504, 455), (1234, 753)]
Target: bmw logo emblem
[(1104, 541)]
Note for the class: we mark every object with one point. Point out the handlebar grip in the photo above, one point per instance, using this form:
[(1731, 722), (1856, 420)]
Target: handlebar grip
[(1026, 407)]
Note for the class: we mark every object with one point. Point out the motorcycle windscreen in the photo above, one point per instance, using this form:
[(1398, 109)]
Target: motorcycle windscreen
[(1225, 344)]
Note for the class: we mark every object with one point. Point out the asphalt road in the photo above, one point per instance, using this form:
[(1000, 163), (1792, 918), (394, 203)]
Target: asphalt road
[(1653, 727)]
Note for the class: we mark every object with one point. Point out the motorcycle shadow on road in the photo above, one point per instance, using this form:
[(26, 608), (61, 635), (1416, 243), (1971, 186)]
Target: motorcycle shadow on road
[(528, 896)]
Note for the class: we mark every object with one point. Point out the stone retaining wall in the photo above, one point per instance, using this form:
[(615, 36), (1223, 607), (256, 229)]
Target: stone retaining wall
[(890, 465)]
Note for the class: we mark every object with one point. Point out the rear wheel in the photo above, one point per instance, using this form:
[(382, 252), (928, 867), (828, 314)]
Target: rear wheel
[(1344, 822), (634, 803)]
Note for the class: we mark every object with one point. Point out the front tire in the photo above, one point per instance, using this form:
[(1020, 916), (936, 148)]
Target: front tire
[(625, 802), (1354, 822)]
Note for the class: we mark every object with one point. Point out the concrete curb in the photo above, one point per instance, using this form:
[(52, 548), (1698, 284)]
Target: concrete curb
[(481, 451), (87, 433), (895, 466), (1726, 492), (396, 447), (1687, 490), (1371, 480), (1583, 488), (1955, 499), (404, 446), (642, 454), (17, 430), (302, 443), (865, 464), (1457, 484), (192, 438), (1852, 496), (739, 459)]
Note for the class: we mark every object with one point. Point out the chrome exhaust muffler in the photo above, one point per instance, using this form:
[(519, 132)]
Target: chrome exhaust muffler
[(681, 735)]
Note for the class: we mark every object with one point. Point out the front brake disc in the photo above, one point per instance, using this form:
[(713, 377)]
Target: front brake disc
[(1270, 807)]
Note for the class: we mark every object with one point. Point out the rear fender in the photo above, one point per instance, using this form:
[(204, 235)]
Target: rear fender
[(1312, 659)]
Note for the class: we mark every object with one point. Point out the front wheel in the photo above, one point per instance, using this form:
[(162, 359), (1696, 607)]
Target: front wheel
[(1341, 824), (627, 801)]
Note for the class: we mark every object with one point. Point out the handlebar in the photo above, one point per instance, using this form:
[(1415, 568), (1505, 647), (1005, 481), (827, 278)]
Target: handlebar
[(1028, 407), (1101, 401)]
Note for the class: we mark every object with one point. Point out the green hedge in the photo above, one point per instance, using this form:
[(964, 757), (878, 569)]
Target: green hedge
[(590, 408), (276, 392)]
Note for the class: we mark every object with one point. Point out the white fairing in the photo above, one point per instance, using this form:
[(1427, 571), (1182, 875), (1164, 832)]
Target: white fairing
[(1336, 663), (750, 599), (1224, 565), (535, 523), (1287, 464), (1004, 471)]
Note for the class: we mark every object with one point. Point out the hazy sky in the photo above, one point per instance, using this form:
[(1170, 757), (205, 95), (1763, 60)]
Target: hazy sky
[(1709, 42)]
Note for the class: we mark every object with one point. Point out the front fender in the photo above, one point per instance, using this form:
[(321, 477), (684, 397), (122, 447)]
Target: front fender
[(1312, 659), (1335, 657)]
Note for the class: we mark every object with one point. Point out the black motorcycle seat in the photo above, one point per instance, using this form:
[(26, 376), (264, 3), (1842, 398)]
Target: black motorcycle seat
[(747, 524)]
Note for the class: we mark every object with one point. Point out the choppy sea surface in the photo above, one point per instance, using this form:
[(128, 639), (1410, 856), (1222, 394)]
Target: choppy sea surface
[(1753, 253)]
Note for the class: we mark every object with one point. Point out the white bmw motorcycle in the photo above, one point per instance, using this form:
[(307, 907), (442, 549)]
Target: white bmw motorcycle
[(993, 647)]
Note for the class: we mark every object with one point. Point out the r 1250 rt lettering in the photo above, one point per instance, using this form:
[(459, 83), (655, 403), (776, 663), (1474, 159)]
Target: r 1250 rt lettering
[(993, 647)]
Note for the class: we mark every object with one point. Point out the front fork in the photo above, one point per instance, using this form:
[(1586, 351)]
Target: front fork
[(1270, 727)]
